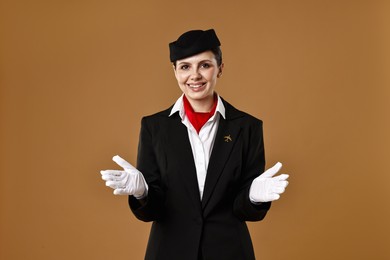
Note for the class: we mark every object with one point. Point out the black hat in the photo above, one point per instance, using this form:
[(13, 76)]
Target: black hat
[(191, 43)]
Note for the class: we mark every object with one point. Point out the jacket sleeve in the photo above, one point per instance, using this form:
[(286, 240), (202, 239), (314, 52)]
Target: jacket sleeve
[(253, 166), (151, 207)]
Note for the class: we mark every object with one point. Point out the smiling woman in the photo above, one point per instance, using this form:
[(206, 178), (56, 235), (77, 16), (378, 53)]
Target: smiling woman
[(199, 174), (197, 77)]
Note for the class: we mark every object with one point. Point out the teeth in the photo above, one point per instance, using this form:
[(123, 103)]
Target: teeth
[(195, 85)]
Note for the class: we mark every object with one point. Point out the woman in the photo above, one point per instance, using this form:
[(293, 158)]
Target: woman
[(198, 175)]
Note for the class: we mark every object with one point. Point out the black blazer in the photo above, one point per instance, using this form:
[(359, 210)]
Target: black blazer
[(185, 226)]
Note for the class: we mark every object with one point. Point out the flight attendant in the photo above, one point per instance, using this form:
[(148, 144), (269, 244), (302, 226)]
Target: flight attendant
[(200, 168)]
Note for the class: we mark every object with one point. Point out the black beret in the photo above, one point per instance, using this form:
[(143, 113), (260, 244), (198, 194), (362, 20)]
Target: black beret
[(191, 43)]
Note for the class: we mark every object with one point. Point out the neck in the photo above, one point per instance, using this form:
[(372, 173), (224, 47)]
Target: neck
[(204, 105)]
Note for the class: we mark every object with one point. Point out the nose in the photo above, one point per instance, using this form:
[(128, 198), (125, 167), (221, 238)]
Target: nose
[(195, 75)]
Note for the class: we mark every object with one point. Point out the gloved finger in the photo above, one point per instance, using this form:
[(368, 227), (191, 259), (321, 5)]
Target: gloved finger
[(111, 184), (113, 175), (119, 177), (272, 171), (122, 162), (109, 177), (114, 184), (282, 184), (111, 172), (278, 190), (281, 177), (120, 192), (273, 196)]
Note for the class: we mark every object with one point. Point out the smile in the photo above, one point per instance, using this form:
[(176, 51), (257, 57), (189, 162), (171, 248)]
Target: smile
[(196, 85)]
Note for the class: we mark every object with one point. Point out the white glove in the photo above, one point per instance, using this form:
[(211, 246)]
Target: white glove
[(267, 188), (127, 182)]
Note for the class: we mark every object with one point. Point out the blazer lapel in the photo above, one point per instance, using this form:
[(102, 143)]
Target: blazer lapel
[(225, 140)]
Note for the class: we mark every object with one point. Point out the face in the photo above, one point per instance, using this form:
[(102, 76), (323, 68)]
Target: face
[(197, 76)]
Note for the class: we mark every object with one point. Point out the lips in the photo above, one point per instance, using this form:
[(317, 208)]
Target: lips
[(196, 85)]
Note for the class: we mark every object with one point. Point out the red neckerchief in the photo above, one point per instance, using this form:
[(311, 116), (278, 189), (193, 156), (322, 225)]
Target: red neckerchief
[(198, 119)]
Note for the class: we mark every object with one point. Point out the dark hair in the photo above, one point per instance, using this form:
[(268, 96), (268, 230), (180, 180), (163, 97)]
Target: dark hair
[(217, 54)]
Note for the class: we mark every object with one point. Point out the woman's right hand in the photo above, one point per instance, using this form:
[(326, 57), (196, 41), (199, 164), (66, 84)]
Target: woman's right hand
[(128, 181)]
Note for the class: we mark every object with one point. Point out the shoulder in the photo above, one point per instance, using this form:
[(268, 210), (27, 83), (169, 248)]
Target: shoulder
[(158, 115), (235, 114), (159, 121), (251, 127)]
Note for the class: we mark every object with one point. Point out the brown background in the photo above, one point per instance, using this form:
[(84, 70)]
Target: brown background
[(77, 76)]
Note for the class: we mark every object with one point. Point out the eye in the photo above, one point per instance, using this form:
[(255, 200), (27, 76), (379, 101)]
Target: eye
[(206, 65), (184, 67)]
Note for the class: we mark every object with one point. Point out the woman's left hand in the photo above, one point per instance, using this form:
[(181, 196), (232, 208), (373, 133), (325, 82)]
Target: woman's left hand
[(266, 188)]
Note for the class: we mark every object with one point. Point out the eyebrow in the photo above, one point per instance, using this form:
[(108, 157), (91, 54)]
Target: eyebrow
[(184, 62)]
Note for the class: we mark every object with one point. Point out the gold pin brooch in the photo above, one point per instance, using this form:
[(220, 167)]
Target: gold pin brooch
[(227, 138)]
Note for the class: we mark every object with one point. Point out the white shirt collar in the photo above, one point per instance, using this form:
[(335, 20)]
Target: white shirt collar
[(179, 107)]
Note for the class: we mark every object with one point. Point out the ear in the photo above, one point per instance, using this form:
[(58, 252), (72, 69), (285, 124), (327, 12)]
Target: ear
[(174, 69), (220, 70)]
